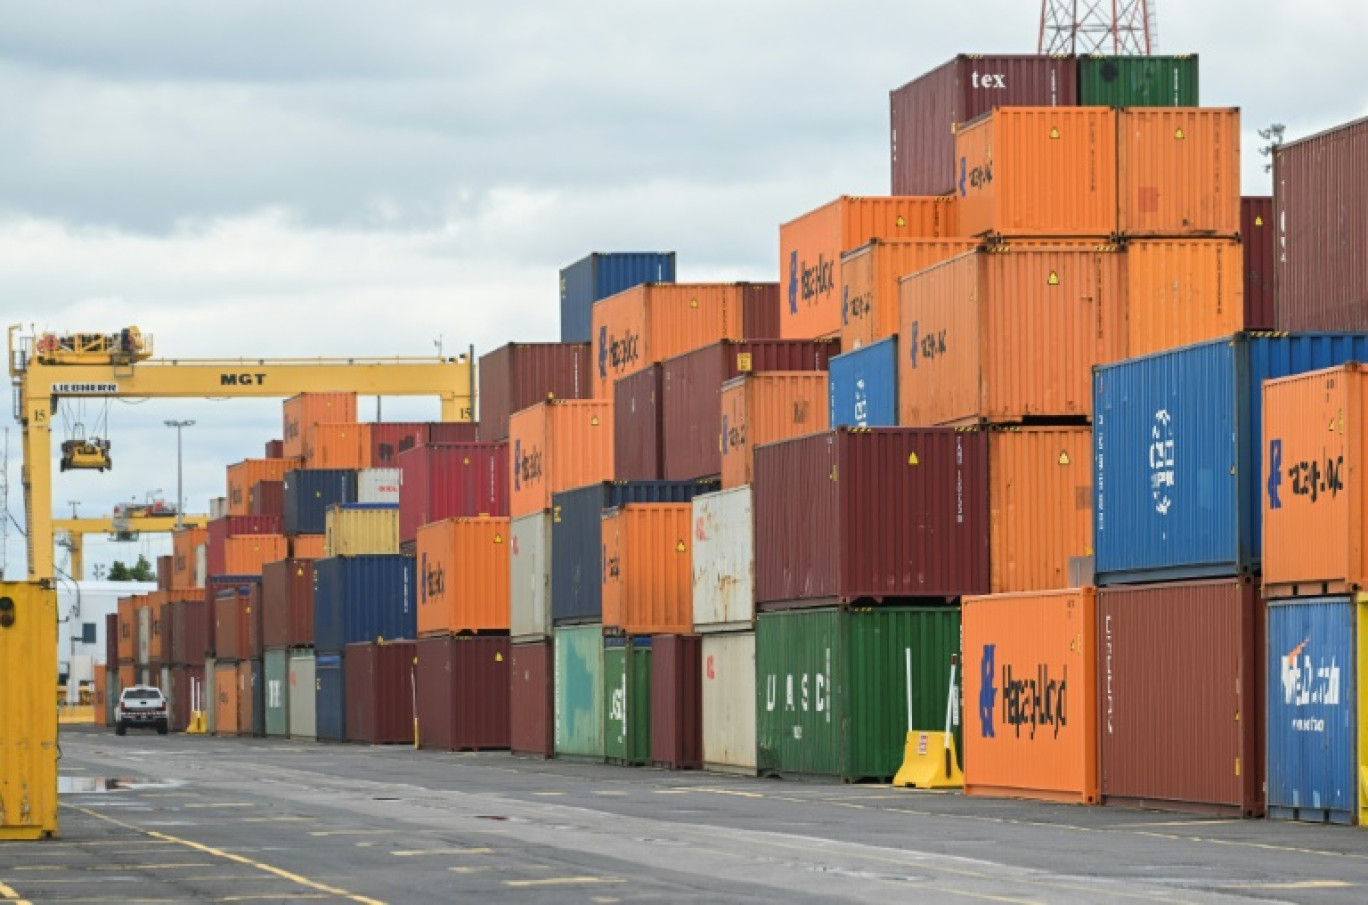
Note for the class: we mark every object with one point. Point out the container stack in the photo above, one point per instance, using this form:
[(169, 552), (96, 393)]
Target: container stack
[(597, 276), (287, 632)]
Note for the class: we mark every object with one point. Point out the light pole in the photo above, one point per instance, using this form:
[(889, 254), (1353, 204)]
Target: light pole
[(180, 498)]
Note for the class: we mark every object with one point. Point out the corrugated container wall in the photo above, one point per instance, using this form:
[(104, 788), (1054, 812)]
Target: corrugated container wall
[(869, 283), (925, 112), (363, 598), (276, 672), (267, 498), (1178, 171), (303, 704), (378, 485), (723, 561), (464, 480), (1177, 458), (877, 512), (766, 408), (578, 682), (380, 692), (646, 568), (330, 698), (390, 438), (637, 427), (195, 640), (729, 702), (760, 311), (463, 692), (1182, 291), (183, 544), (308, 546), (310, 492), (531, 699), (864, 386), (1040, 500), (243, 475), (1038, 171), (1256, 241), (1320, 192), (344, 445), (355, 528), (1317, 708), (691, 384), (1155, 81), (519, 375), (274, 449), (445, 433), (251, 699), (556, 446), (600, 275), (128, 630), (529, 577), (247, 554), (165, 572), (1180, 681), (677, 702), (810, 249), (1063, 303), (627, 700), (463, 576), (287, 593), (1030, 686), (300, 412), (220, 529), (227, 709), (831, 696)]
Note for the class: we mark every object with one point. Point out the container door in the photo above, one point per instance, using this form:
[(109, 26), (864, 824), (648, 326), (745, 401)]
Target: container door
[(303, 689)]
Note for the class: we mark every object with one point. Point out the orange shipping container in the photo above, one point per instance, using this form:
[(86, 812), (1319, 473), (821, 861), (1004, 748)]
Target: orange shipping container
[(1040, 481), (654, 321), (1314, 427), (1030, 684), (765, 408), (1008, 334), (463, 576), (811, 246), (337, 445), (226, 695), (245, 554), (98, 694), (1179, 171), (183, 544), (1038, 171), (869, 283), (244, 474), (309, 546), (647, 571), (299, 412), (558, 445), (128, 628), (128, 676), (1182, 291)]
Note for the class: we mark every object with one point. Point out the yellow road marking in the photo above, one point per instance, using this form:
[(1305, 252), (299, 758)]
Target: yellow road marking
[(469, 869), (548, 794), (7, 892), (302, 895), (610, 793), (563, 881), (1300, 884), (673, 791), (444, 851), (239, 859)]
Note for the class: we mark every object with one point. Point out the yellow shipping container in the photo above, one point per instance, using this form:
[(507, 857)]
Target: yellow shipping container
[(358, 528), (28, 713), (463, 576)]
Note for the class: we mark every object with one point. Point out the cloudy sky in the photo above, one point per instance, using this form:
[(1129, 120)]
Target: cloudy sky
[(331, 179)]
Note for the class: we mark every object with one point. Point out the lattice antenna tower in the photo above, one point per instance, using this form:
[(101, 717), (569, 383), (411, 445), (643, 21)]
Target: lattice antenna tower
[(1110, 27)]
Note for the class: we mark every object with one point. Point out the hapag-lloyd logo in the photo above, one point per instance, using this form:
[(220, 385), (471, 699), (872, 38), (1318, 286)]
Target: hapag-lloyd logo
[(809, 282), (617, 353), (434, 581), (526, 468)]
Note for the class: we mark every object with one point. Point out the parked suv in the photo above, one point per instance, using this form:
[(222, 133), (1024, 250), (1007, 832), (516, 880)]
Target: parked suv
[(141, 706)]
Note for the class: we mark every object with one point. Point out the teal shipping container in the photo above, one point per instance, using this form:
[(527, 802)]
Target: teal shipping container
[(579, 691), (1138, 81), (277, 694), (832, 687), (627, 700)]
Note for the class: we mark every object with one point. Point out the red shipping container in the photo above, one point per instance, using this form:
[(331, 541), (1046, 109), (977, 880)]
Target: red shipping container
[(519, 375), (443, 433), (760, 311), (1320, 192), (390, 438), (677, 701), (691, 402), (111, 636), (275, 449), (379, 692), (463, 688), (637, 427), (463, 480), (925, 112), (229, 631), (220, 529), (187, 684), (531, 700), (165, 572), (287, 603), (194, 641), (267, 498), (1256, 235), (872, 513)]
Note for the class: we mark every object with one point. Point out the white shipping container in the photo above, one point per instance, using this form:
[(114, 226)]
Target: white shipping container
[(729, 702), (201, 564), (378, 485), (218, 507), (144, 628), (303, 707), (723, 561), (529, 564)]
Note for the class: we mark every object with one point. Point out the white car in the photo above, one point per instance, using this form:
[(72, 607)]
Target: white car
[(141, 706)]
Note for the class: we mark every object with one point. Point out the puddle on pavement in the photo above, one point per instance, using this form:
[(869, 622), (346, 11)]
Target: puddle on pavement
[(86, 785)]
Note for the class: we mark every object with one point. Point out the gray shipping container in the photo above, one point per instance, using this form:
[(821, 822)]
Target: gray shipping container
[(303, 721)]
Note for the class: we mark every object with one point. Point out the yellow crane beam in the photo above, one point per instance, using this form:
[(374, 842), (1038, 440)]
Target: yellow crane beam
[(77, 528)]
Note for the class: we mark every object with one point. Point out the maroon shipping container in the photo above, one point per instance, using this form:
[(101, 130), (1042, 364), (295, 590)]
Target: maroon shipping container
[(923, 114), (194, 638), (267, 498), (379, 692), (872, 513), (1181, 696), (441, 433), (287, 603), (275, 449), (760, 311), (637, 429), (677, 701), (389, 438), (165, 569), (111, 636), (1320, 192), (463, 687), (453, 481), (220, 529), (1256, 236), (212, 586), (519, 375), (531, 700), (691, 402), (186, 682), (173, 629), (237, 623)]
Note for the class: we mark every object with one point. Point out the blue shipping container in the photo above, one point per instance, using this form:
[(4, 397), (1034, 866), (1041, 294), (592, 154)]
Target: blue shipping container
[(363, 598), (1177, 458), (864, 386), (577, 539), (330, 699), (308, 494), (603, 274), (1313, 760)]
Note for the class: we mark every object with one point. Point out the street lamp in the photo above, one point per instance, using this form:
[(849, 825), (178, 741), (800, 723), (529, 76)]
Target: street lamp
[(180, 498)]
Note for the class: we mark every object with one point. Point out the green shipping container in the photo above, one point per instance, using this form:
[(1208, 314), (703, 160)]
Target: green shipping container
[(579, 691), (277, 693), (831, 690), (627, 700), (1138, 81)]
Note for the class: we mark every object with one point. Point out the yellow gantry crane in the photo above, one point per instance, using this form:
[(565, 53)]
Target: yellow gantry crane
[(49, 367), (122, 527)]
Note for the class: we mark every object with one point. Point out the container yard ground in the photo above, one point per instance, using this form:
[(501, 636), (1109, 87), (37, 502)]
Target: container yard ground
[(207, 819)]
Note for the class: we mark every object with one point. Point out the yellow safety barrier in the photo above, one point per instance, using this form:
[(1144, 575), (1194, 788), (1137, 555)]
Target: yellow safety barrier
[(196, 726), (930, 762)]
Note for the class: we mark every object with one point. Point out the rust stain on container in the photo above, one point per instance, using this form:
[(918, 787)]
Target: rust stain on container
[(1178, 171), (765, 408), (463, 686), (531, 707), (1256, 240), (869, 283), (379, 692), (1182, 291), (556, 446), (299, 412), (1181, 696), (647, 568), (518, 375), (463, 576), (975, 330)]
